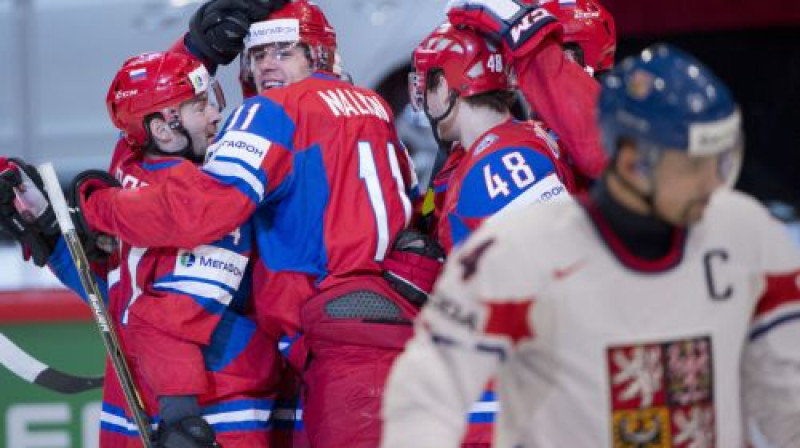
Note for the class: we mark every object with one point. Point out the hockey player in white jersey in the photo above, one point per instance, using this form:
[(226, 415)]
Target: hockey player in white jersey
[(661, 310)]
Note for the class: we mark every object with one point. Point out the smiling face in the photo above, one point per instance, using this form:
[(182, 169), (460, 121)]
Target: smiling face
[(279, 64)]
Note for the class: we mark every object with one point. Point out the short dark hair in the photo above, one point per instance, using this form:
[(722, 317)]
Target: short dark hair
[(497, 100)]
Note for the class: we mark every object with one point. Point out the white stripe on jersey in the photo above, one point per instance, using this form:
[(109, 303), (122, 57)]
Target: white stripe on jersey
[(484, 407), (238, 416), (398, 177), (113, 276), (199, 289), (549, 189), (231, 169), (134, 257)]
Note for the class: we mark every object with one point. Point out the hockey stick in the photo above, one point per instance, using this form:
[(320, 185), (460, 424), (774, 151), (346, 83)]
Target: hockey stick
[(30, 369), (101, 316)]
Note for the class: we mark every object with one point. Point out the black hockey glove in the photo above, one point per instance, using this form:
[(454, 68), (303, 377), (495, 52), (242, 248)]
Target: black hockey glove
[(261, 9), (97, 246), (217, 29), (181, 425), (25, 212), (188, 432), (413, 265)]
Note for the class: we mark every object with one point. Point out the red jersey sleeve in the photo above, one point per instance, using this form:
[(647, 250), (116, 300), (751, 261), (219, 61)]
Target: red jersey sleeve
[(184, 211), (564, 96)]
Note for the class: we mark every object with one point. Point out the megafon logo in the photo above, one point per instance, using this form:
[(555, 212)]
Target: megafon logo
[(187, 259)]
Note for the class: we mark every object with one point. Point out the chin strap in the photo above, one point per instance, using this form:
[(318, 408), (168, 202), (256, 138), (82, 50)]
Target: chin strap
[(187, 151), (436, 120)]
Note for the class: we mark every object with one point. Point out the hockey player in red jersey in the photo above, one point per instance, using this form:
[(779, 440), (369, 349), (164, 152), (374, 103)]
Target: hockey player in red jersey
[(318, 165), (204, 372), (183, 313), (462, 83), (499, 164), (659, 310), (558, 90), (589, 40)]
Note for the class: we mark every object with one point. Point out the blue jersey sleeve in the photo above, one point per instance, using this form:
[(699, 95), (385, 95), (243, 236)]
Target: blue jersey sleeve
[(509, 177), (61, 265), (253, 152)]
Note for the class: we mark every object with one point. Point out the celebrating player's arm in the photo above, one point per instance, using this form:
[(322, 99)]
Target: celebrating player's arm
[(531, 36)]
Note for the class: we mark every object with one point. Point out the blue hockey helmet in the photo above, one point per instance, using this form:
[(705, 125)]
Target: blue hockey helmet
[(666, 99)]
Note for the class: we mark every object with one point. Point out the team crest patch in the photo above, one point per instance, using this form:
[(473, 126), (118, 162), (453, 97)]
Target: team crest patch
[(662, 394), (485, 143)]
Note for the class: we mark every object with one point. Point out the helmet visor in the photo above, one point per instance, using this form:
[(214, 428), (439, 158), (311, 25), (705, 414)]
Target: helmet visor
[(216, 96)]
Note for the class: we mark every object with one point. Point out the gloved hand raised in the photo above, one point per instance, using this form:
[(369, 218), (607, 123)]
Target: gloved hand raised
[(218, 28), (521, 26)]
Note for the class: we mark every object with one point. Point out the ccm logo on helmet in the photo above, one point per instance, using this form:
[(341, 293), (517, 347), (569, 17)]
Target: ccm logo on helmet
[(530, 23), (125, 94)]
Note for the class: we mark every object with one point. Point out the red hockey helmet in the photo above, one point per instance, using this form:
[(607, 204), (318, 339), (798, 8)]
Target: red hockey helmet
[(149, 83), (470, 64), (300, 21), (590, 26)]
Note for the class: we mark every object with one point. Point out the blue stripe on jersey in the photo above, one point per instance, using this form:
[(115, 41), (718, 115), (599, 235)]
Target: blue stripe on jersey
[(239, 241), (249, 425), (767, 326), (155, 166), (61, 264), (229, 339), (241, 298), (485, 410), (238, 405), (498, 178), (265, 118), (458, 230), (210, 305), (239, 184), (481, 417), (111, 427), (185, 278), (294, 236)]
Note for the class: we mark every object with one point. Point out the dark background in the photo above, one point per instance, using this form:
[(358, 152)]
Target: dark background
[(754, 46)]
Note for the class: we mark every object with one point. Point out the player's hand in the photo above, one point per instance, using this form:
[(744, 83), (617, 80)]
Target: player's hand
[(25, 211), (97, 246), (413, 265), (188, 432), (261, 9), (218, 28), (521, 26)]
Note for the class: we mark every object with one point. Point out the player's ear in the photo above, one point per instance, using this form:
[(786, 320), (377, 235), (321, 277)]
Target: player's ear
[(632, 164), (158, 129)]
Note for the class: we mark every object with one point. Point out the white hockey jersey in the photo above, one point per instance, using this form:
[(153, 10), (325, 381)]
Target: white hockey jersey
[(593, 347)]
